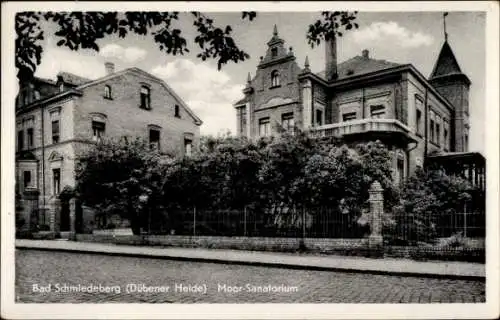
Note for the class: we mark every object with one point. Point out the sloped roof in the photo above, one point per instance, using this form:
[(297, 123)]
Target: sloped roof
[(241, 101), (359, 65), (73, 79), (446, 63)]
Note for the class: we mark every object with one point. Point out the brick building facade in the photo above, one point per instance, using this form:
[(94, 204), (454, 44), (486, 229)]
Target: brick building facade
[(361, 99), (57, 120)]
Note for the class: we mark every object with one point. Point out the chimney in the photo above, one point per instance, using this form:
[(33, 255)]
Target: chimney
[(366, 54), (331, 59), (110, 67)]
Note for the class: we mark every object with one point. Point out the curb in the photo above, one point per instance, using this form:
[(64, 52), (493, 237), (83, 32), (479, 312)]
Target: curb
[(263, 264)]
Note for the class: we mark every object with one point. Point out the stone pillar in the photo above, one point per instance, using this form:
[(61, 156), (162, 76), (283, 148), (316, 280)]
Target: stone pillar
[(72, 219), (30, 207), (249, 120), (54, 214), (376, 200), (306, 105)]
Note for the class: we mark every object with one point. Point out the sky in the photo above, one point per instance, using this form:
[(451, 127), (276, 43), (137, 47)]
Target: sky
[(401, 37)]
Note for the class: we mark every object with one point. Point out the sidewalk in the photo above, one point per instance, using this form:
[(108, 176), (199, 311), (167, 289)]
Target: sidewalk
[(440, 269)]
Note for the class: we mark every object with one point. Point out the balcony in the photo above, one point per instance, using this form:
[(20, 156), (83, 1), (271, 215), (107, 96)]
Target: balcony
[(367, 129)]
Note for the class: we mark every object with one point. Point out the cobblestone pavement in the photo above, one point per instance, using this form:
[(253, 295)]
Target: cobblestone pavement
[(39, 269)]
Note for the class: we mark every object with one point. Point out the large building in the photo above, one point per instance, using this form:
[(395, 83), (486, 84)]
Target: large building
[(361, 99), (57, 120)]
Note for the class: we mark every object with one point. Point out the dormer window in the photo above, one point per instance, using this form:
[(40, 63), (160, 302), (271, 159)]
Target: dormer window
[(107, 92), (274, 52), (145, 98), (275, 79)]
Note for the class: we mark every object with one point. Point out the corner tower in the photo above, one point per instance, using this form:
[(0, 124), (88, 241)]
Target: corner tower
[(453, 84)]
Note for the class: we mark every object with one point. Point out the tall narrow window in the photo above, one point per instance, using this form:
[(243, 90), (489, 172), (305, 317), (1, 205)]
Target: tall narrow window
[(446, 144), (287, 122), (438, 134), (98, 130), (432, 130), (319, 117), (145, 98), (275, 79), (177, 111), (154, 139), (107, 92), (401, 170), (20, 140), (264, 127), (377, 112), (55, 131), (419, 122), (29, 136), (56, 181), (188, 147), (466, 142), (349, 116), (27, 179)]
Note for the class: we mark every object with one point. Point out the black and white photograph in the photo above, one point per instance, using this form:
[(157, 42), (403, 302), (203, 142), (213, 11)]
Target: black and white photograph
[(198, 159)]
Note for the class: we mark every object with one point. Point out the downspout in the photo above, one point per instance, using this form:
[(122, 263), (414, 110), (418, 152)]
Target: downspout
[(43, 156), (363, 103), (426, 127)]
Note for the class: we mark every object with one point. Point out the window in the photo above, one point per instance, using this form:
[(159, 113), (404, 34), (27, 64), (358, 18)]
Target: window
[(55, 131), (438, 134), (27, 179), (288, 122), (264, 127), (188, 147), (466, 142), (377, 112), (401, 170), (29, 133), (274, 52), (145, 98), (432, 131), (98, 130), (349, 116), (446, 139), (419, 122), (107, 92), (275, 79), (154, 139), (319, 117), (20, 140), (56, 181), (177, 111)]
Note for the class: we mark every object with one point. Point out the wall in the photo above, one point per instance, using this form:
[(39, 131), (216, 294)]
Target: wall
[(125, 117), (242, 243)]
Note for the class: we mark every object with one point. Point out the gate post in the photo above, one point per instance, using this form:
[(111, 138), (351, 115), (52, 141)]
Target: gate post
[(72, 218), (376, 200), (55, 215), (30, 207)]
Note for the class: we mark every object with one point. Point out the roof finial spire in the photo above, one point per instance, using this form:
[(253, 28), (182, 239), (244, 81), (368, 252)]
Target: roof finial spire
[(275, 31), (249, 78), (444, 25), (306, 63)]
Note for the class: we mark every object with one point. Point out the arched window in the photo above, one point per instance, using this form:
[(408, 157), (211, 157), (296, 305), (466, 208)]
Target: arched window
[(107, 92), (145, 98), (275, 78)]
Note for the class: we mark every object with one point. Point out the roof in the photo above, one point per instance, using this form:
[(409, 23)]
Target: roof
[(241, 101), (456, 155), (359, 65), (73, 79), (147, 74), (446, 63)]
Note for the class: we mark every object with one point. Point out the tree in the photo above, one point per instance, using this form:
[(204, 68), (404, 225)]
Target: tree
[(121, 178), (83, 30), (428, 198)]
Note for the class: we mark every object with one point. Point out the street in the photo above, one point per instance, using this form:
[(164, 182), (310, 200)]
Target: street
[(56, 277)]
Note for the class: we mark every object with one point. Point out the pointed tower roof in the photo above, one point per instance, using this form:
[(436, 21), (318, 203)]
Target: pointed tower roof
[(446, 64), (275, 39)]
